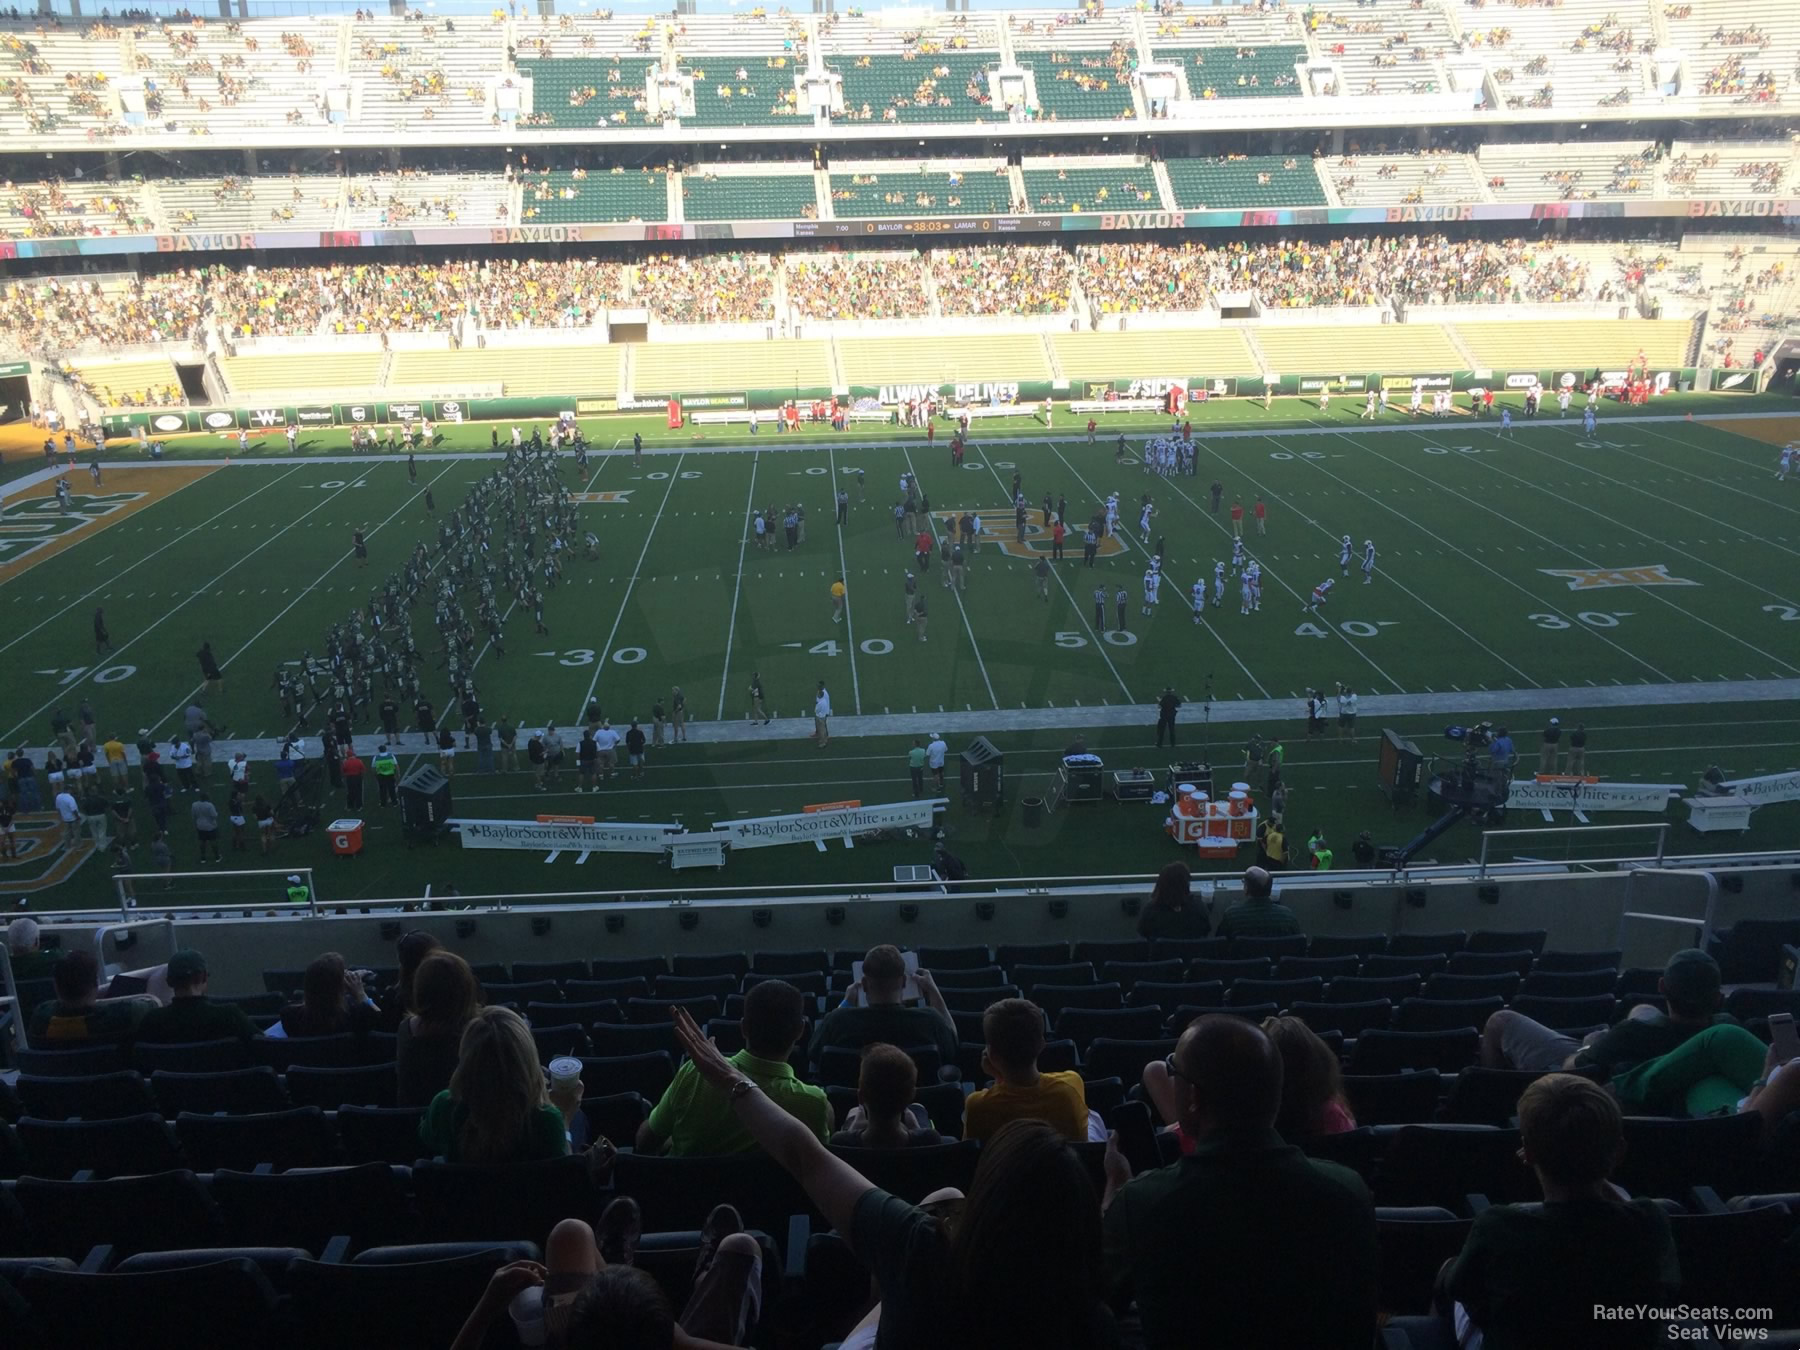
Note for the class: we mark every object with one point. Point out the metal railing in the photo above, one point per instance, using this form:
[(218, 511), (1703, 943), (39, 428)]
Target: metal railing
[(125, 885), (1573, 831)]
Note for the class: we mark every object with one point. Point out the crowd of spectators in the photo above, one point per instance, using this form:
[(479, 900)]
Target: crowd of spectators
[(1143, 277), (1003, 279), (857, 285), (716, 288)]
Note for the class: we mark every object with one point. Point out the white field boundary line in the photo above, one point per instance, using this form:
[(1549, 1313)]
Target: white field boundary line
[(844, 571), (64, 691), (1389, 709), (1301, 514), (737, 584), (1206, 623), (1099, 642), (1551, 606), (1710, 519), (630, 586), (1739, 461), (308, 590), (1648, 592), (124, 571), (931, 524)]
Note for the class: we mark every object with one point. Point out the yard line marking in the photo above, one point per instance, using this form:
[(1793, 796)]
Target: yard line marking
[(1226, 530), (66, 690), (1099, 643), (738, 584), (1389, 577), (146, 558), (1120, 532), (1709, 518), (931, 524), (305, 590), (1649, 592), (844, 570), (1510, 581), (630, 585)]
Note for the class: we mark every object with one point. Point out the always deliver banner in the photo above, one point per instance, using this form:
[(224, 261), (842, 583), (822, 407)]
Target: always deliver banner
[(818, 826), (1590, 797), (542, 836)]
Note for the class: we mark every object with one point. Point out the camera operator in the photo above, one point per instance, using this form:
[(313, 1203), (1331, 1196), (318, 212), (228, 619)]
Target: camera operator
[(1501, 752)]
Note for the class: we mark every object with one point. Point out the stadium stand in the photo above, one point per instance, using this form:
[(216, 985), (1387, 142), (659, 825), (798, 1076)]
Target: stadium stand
[(1744, 57), (1385, 47), (743, 69), (885, 285), (1230, 182), (1242, 71), (570, 196), (388, 200), (734, 192), (1181, 351), (149, 382), (944, 359), (252, 202), (919, 188), (723, 288), (1018, 279), (63, 82), (590, 91), (1515, 345), (1129, 278), (300, 372), (216, 80), (1728, 168), (1074, 185), (666, 368), (1409, 347), (59, 208), (938, 74), (1399, 180), (425, 70), (520, 371), (1532, 55), (1584, 171)]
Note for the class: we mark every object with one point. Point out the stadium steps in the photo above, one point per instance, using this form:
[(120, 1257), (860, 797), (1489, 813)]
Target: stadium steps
[(628, 366), (1256, 352), (822, 193), (345, 38), (1462, 348), (387, 370), (578, 364), (839, 384), (1056, 370), (1165, 191), (677, 207)]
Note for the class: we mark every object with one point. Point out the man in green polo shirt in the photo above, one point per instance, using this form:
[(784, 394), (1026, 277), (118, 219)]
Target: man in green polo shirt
[(1259, 913), (695, 1118), (190, 1015)]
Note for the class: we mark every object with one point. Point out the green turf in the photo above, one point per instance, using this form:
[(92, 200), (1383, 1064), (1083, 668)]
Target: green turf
[(256, 558)]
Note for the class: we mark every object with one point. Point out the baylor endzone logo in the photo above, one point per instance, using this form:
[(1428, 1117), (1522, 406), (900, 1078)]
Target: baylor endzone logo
[(997, 531), (42, 861), (40, 520)]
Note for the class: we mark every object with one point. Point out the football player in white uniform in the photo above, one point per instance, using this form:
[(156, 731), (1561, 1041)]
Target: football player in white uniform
[(1198, 594), (1344, 555), (1253, 574), (1218, 584), (1320, 594), (1152, 584), (1368, 562)]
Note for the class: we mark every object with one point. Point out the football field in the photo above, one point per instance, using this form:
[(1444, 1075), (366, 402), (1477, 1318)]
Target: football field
[(1656, 553)]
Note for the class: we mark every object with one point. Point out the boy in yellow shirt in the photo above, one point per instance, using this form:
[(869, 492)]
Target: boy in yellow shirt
[(1014, 1031)]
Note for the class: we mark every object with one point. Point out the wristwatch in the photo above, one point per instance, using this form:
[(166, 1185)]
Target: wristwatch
[(741, 1088)]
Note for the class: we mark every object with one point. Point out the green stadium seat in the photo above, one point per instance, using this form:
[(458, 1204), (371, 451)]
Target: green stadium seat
[(618, 86), (1125, 187), (765, 97), (931, 87), (1078, 84), (1233, 72), (599, 195), (1228, 184), (789, 196), (919, 193)]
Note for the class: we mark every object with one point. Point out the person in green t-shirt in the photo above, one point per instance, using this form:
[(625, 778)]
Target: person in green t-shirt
[(915, 764), (191, 1016), (695, 1118), (387, 769), (497, 1108)]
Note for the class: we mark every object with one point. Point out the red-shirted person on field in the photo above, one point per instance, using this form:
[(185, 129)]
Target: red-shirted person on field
[(1237, 519)]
